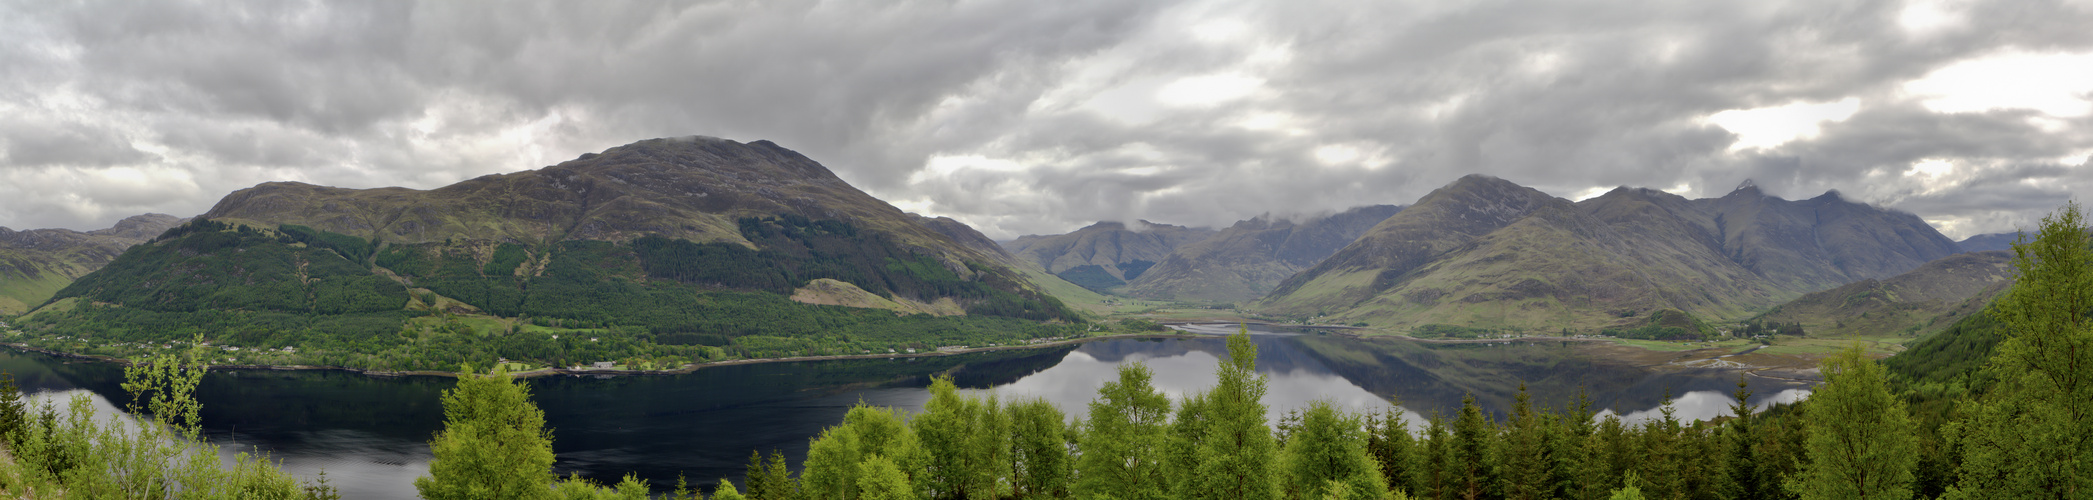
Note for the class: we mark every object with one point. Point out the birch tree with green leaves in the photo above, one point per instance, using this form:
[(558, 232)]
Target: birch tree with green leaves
[(2031, 436), (1861, 444)]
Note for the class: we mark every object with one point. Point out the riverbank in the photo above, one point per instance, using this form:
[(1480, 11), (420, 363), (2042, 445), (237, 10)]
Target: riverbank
[(686, 368)]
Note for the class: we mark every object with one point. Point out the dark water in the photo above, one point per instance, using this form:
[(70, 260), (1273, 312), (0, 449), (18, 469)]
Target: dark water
[(369, 434)]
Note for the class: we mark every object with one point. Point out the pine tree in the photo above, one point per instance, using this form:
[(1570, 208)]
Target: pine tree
[(1438, 461), (1120, 443), (1237, 457), (1662, 463), (1526, 458), (1394, 448), (2031, 436), (1740, 477), (1860, 444), (1472, 474), (493, 444)]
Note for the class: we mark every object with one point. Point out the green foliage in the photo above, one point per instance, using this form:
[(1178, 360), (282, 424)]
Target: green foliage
[(506, 259), (1237, 453), (1449, 331), (2031, 435), (493, 445), (882, 480), (349, 247), (1327, 454), (242, 269), (771, 480), (1860, 444), (78, 453), (1126, 428), (1040, 460)]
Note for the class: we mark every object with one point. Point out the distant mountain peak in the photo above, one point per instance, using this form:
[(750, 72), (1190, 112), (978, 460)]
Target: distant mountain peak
[(1748, 187)]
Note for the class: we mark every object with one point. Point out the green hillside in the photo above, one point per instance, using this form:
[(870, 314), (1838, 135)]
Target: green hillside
[(606, 260)]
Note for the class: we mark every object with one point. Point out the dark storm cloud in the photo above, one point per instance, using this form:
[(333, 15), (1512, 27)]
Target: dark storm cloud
[(1024, 116)]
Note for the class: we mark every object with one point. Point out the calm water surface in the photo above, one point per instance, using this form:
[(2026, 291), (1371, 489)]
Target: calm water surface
[(370, 434)]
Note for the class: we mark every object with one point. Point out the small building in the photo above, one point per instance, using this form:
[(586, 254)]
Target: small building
[(602, 365)]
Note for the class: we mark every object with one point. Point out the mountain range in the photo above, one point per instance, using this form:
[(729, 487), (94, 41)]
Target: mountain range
[(1246, 260), (36, 263), (1105, 255), (1486, 252), (704, 241)]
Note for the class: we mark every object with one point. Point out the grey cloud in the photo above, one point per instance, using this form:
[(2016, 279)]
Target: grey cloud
[(1563, 96), (37, 143)]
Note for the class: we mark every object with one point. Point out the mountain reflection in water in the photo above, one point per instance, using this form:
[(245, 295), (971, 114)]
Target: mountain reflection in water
[(370, 434)]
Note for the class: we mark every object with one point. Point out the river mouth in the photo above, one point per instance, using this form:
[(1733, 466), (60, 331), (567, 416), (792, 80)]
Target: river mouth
[(370, 433)]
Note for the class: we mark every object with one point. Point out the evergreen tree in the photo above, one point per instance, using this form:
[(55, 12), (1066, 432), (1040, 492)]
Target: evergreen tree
[(1392, 446), (1327, 455), (771, 480), (1860, 444), (493, 444), (1526, 458), (1120, 444), (2031, 436), (1238, 454), (1740, 479), (1472, 473), (1662, 464), (1438, 461)]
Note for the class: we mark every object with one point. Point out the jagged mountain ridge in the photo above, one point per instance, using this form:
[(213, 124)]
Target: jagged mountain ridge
[(1246, 260), (36, 263), (1487, 252), (1106, 254)]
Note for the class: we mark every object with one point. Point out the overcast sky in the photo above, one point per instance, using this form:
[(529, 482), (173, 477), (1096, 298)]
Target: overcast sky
[(1029, 116)]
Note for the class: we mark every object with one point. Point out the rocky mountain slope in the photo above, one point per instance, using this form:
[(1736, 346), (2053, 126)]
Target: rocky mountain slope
[(673, 241), (1105, 255), (1245, 261), (36, 263), (1485, 252), (1916, 303)]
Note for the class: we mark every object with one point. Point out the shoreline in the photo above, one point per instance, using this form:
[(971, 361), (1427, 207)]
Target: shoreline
[(686, 368)]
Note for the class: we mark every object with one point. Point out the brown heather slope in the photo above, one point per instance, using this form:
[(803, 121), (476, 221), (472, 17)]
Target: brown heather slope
[(1916, 303), (1248, 259), (693, 188), (1485, 252), (36, 263)]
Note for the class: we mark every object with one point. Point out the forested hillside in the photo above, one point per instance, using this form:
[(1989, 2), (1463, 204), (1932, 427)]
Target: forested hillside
[(600, 271), (35, 263)]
